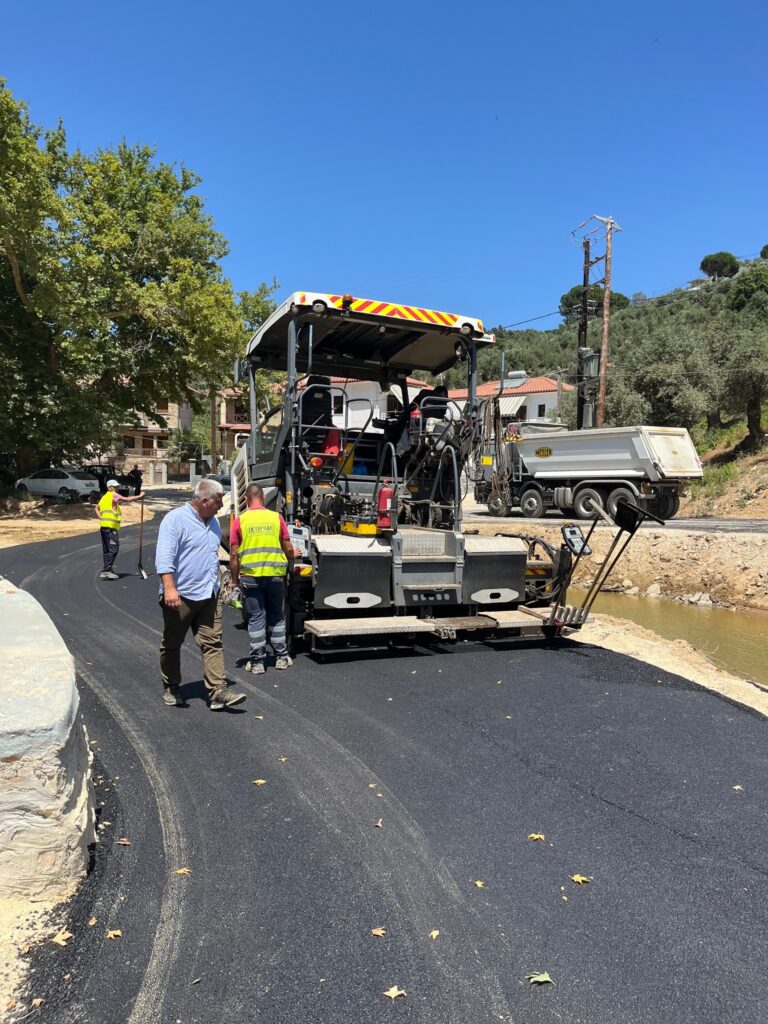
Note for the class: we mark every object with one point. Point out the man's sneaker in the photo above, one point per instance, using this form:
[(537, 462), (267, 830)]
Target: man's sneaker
[(108, 575), (284, 661), (173, 698), (224, 698), (256, 667)]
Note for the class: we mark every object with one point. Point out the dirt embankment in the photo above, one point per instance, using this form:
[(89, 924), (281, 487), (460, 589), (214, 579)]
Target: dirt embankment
[(727, 569)]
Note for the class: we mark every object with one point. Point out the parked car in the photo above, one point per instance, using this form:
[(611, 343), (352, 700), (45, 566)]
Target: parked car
[(224, 479), (52, 482)]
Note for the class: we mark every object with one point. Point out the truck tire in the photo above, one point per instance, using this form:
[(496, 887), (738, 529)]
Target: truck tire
[(620, 494), (532, 504), (497, 506), (585, 501), (668, 506)]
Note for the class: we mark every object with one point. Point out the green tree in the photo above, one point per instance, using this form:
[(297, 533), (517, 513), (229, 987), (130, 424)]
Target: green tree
[(111, 290), (764, 253), (750, 290), (719, 264)]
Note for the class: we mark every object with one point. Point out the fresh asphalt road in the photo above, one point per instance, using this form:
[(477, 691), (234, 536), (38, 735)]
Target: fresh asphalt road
[(653, 789), (479, 514)]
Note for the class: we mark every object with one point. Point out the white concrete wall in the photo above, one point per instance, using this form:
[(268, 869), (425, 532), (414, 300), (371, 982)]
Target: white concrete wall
[(46, 798)]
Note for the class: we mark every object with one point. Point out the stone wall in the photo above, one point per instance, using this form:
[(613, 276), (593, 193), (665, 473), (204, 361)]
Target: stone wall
[(46, 797)]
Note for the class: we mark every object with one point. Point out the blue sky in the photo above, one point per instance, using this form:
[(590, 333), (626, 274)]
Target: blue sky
[(437, 154)]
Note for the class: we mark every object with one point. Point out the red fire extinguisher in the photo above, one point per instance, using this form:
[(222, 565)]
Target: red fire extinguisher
[(384, 506)]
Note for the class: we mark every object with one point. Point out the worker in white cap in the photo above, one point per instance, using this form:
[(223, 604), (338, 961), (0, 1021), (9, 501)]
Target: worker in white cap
[(109, 515)]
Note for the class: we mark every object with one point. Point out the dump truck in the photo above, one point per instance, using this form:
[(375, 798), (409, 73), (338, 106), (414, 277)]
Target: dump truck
[(372, 492), (541, 467)]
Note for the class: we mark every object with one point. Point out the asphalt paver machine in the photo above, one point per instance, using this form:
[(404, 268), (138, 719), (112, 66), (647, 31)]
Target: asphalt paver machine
[(372, 490)]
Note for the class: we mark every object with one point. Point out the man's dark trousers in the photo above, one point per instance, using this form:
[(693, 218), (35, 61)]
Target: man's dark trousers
[(110, 544), (264, 600)]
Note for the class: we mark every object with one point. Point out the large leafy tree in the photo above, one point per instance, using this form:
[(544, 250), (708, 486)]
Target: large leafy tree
[(111, 290), (570, 302)]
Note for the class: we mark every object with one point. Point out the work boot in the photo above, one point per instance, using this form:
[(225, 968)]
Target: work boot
[(224, 698), (172, 697), (258, 668), (284, 661)]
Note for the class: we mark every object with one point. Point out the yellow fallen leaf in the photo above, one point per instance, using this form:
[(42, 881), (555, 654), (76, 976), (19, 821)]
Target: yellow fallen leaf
[(371, 785), (580, 879), (67, 977), (260, 717), (282, 760), (379, 932), (62, 938), (537, 837), (183, 871), (434, 933), (539, 978), (564, 899), (91, 922), (259, 782), (123, 842), (508, 717), (737, 788), (36, 1002), (114, 933), (26, 949), (394, 992), (479, 884), (379, 823), (379, 796), (196, 981), (11, 1004)]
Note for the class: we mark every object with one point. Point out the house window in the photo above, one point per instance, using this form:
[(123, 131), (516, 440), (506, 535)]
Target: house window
[(162, 405), (127, 441), (147, 444), (338, 405), (542, 410), (523, 412)]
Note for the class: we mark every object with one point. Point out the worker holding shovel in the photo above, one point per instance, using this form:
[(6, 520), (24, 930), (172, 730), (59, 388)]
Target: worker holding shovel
[(109, 515)]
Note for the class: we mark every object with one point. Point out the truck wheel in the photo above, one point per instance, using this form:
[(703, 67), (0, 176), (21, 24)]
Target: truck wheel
[(619, 494), (532, 504), (668, 506), (497, 506), (586, 502)]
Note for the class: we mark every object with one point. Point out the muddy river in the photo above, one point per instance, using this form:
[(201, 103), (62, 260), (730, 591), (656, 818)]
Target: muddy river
[(736, 641)]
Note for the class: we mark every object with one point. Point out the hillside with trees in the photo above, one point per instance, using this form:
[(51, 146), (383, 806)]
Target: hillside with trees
[(693, 357)]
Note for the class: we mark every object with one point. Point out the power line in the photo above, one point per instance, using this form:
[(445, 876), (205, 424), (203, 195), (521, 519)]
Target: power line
[(508, 327)]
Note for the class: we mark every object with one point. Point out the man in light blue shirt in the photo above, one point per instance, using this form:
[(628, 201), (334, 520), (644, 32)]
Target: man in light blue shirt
[(187, 562)]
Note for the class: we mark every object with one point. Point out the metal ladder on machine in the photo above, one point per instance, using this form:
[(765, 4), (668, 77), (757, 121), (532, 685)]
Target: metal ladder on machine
[(628, 519)]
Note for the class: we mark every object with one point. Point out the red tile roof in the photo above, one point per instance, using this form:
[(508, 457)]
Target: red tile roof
[(533, 386)]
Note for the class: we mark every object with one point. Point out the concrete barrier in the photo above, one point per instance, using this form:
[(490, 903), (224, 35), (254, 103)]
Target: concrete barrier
[(46, 797)]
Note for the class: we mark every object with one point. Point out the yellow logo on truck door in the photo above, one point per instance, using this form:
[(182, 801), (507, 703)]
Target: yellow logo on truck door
[(543, 453)]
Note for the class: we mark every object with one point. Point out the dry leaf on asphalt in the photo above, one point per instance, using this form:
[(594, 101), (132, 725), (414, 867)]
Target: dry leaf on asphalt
[(394, 992), (11, 1004), (580, 879), (260, 717), (737, 788), (379, 823), (114, 933), (196, 981), (183, 871), (537, 837), (282, 760), (379, 932), (434, 933), (91, 922), (539, 978), (62, 938), (36, 1002), (259, 782), (123, 842), (479, 884), (371, 785)]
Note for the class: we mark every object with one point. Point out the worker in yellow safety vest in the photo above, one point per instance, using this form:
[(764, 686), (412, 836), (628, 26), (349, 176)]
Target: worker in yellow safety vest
[(260, 554), (109, 515)]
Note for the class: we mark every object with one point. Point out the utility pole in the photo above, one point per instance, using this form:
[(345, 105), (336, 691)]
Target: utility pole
[(582, 342), (587, 356), (610, 226)]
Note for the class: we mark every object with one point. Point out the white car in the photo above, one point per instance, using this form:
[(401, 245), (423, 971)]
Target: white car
[(50, 482)]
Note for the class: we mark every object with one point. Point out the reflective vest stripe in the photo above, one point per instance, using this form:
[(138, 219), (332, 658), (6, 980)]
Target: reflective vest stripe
[(109, 513), (259, 551)]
